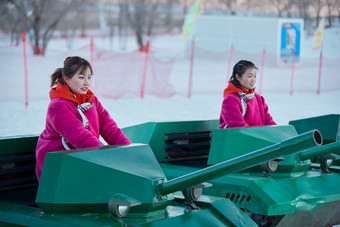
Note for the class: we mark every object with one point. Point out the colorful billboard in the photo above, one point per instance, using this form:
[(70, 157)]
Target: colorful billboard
[(290, 41)]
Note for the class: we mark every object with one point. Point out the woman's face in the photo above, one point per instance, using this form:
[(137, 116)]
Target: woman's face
[(248, 79), (80, 83)]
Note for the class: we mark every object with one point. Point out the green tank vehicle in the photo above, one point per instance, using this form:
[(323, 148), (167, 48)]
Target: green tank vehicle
[(119, 186), (329, 126), (284, 191)]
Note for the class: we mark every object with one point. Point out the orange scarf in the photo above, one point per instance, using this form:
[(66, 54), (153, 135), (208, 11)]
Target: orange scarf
[(62, 90), (231, 88)]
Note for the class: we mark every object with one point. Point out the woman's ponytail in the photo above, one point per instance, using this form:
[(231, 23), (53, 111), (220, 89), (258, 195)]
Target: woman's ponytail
[(58, 74)]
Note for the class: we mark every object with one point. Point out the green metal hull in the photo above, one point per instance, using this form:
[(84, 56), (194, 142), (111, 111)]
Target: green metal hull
[(270, 196), (213, 211), (295, 190), (328, 125), (76, 186)]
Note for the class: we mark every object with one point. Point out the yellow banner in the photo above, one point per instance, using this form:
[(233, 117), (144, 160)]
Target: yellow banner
[(318, 36), (189, 22)]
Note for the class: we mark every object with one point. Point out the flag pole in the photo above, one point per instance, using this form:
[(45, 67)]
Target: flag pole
[(188, 33), (316, 45), (23, 34), (230, 58), (262, 69), (191, 66)]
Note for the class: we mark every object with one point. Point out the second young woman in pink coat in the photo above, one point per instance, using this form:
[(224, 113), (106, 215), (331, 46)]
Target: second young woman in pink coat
[(241, 106)]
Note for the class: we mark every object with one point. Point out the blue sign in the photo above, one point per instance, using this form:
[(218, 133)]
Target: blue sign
[(290, 42)]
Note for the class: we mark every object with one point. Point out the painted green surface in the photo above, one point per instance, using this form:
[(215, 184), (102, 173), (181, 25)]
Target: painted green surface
[(65, 174), (325, 149), (22, 144), (153, 133), (270, 196), (231, 143), (213, 211), (76, 186), (328, 125), (294, 187), (286, 147), (86, 179)]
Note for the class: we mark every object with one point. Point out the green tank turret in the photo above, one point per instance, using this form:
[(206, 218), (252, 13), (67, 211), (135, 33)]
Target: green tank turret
[(124, 185), (282, 191), (329, 126)]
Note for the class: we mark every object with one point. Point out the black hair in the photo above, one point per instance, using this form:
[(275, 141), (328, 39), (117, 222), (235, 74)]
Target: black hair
[(71, 66), (240, 68)]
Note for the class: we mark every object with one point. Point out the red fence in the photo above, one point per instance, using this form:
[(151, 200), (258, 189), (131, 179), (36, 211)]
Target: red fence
[(158, 72)]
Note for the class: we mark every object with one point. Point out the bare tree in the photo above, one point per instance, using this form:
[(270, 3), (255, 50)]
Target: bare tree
[(230, 6), (136, 17), (224, 6), (168, 15), (253, 4), (329, 3), (11, 22), (282, 6), (41, 18), (317, 5), (186, 5), (303, 6), (122, 24), (141, 15), (337, 7), (151, 19)]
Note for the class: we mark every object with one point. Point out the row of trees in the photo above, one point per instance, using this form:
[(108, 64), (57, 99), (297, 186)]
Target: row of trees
[(305, 9), (42, 17)]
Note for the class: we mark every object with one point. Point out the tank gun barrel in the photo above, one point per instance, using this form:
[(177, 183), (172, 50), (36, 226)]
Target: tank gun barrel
[(318, 151), (292, 145)]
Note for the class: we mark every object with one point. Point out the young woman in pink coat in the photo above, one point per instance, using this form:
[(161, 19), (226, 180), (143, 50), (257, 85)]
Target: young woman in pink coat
[(241, 106), (75, 117)]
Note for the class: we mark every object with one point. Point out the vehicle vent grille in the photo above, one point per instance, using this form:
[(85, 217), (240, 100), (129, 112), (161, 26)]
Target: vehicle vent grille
[(239, 199), (190, 148)]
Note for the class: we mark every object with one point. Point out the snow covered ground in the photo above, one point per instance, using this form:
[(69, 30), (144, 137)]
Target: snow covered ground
[(15, 119)]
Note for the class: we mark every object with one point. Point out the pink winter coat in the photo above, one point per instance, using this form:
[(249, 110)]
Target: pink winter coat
[(256, 115), (63, 119)]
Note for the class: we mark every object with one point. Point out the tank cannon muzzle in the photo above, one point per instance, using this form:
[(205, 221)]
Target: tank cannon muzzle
[(289, 146)]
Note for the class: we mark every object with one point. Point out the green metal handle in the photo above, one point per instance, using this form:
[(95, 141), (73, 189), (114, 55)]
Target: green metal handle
[(286, 147), (318, 151)]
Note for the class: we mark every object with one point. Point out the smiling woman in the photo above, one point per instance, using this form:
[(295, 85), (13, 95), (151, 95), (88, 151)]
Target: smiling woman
[(75, 117), (80, 82), (241, 106)]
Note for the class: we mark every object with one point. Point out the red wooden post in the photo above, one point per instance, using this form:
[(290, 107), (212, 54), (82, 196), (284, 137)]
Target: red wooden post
[(231, 51), (91, 51), (91, 61), (262, 68), (292, 76), (147, 48), (25, 66)]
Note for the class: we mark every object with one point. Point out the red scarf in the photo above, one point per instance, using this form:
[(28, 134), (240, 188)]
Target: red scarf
[(62, 90), (233, 89)]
